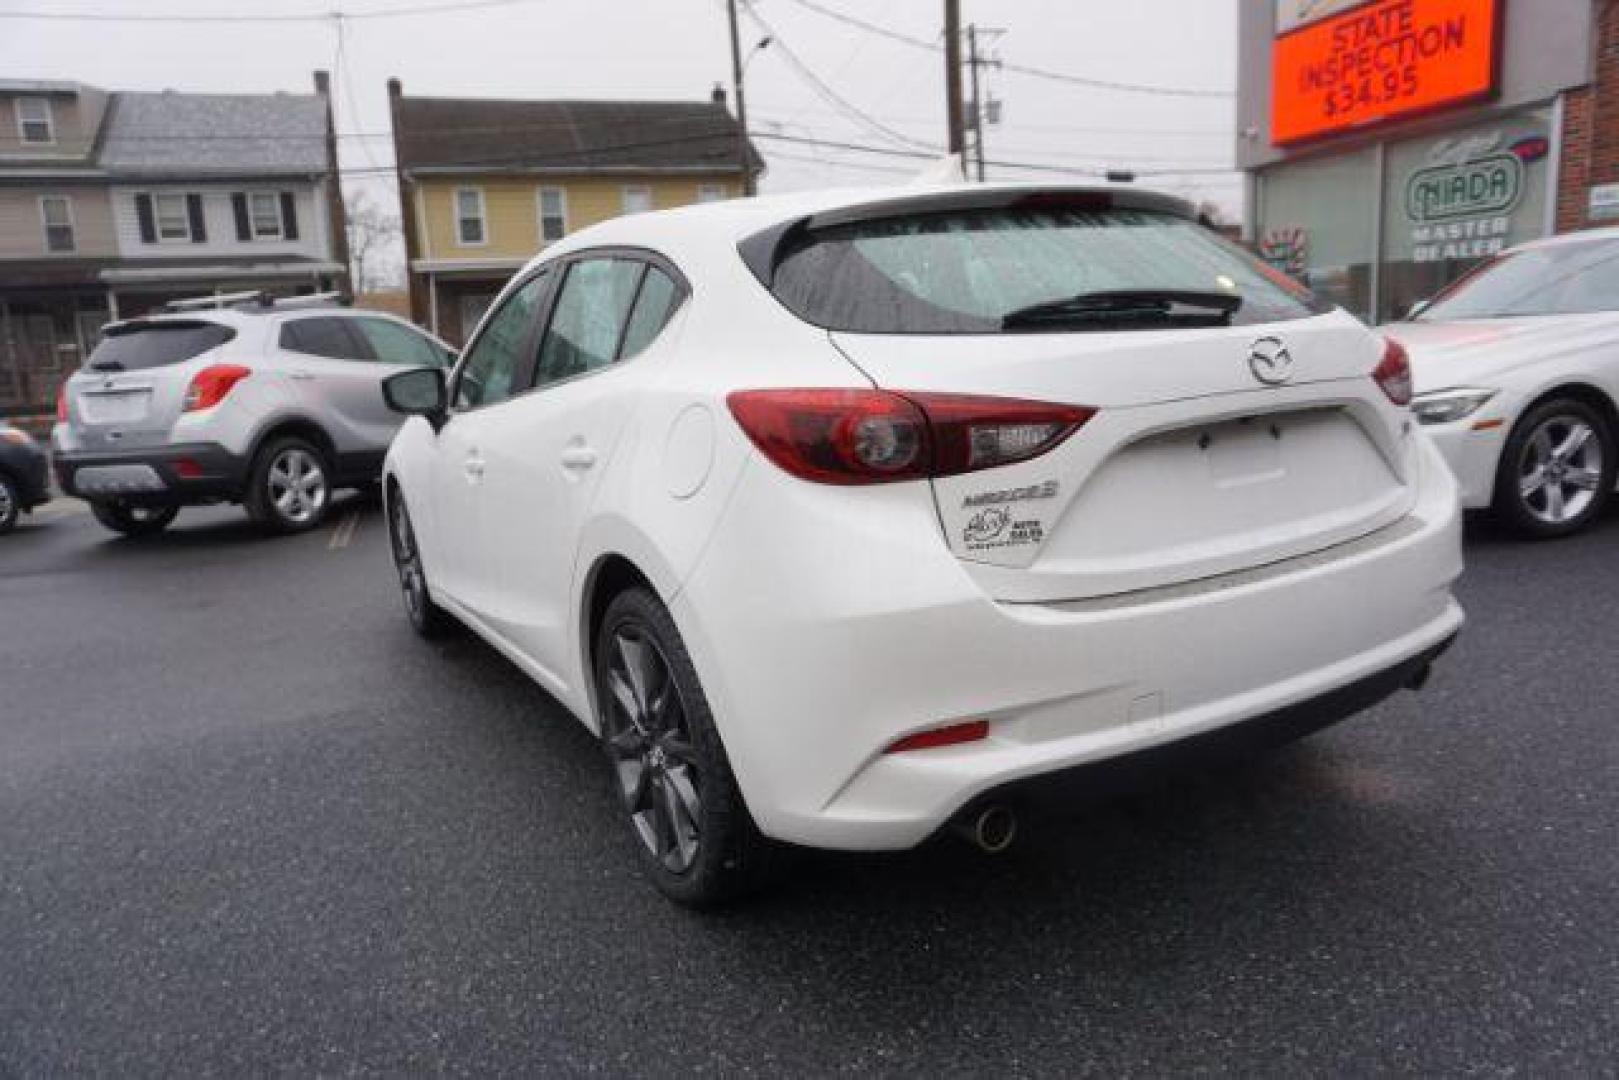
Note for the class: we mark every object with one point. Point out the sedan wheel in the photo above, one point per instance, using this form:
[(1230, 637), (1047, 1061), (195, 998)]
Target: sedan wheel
[(691, 827), (1557, 469), (10, 505), (652, 751), (426, 617)]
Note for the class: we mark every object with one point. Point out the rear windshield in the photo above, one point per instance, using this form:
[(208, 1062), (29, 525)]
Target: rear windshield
[(965, 272), (136, 346)]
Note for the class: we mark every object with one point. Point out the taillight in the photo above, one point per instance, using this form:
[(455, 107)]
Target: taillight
[(210, 385), (1393, 374), (878, 436), (61, 403)]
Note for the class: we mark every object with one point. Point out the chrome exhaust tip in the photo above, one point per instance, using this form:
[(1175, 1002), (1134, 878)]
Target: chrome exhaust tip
[(990, 829)]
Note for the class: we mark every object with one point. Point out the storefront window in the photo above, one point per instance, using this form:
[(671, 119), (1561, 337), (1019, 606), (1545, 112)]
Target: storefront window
[(1315, 223), (1452, 200)]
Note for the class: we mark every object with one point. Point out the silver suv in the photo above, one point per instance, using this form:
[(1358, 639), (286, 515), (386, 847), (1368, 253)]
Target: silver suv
[(270, 404)]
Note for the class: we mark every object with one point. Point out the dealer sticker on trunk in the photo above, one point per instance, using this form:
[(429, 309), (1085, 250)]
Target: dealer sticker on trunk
[(999, 526)]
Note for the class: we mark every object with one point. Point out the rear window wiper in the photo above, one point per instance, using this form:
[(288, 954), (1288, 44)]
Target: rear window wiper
[(1129, 307)]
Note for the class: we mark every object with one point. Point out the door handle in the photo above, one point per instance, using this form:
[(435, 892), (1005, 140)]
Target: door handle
[(473, 466), (577, 455), (301, 375)]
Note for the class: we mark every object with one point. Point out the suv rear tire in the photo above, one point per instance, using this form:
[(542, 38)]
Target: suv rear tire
[(134, 521), (289, 487)]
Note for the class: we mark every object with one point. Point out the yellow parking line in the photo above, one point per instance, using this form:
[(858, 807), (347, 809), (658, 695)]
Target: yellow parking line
[(344, 531), (62, 507)]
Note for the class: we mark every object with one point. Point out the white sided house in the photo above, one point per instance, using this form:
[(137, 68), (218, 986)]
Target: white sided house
[(218, 193)]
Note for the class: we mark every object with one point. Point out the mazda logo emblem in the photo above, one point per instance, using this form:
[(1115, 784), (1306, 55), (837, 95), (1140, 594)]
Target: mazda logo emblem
[(1270, 361)]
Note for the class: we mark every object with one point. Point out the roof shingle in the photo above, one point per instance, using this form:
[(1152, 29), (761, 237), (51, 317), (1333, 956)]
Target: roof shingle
[(172, 133), (439, 133)]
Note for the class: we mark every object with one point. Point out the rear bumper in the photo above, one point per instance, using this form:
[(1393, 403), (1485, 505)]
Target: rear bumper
[(1065, 789), (182, 473), (819, 647)]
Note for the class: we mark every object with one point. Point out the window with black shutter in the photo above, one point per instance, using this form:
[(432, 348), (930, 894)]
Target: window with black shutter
[(148, 223), (289, 216), (199, 228)]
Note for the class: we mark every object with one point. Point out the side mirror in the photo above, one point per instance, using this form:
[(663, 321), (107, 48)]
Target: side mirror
[(418, 392), (1418, 307)]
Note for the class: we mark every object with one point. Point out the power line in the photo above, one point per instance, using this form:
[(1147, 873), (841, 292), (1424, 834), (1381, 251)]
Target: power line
[(829, 95), (520, 157), (1021, 69), (340, 67), (833, 163), (318, 16)]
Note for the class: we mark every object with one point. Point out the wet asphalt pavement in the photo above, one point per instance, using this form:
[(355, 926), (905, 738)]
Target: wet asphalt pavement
[(249, 823)]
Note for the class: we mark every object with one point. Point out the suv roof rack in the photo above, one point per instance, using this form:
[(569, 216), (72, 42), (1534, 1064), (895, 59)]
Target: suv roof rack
[(258, 300), (216, 300), (307, 300)]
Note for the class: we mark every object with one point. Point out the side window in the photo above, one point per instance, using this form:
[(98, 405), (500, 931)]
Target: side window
[(653, 305), (588, 318), (498, 354), (394, 343), (325, 336)]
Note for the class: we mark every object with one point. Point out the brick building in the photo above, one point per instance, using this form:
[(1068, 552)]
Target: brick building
[(1390, 145)]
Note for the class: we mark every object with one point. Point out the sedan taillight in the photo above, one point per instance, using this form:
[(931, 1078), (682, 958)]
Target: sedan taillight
[(1393, 374), (61, 403), (879, 436), (210, 385)]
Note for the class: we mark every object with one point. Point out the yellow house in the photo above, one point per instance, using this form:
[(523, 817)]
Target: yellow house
[(485, 184)]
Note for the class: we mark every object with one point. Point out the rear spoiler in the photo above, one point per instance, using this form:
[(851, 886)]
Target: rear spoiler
[(141, 322), (763, 251)]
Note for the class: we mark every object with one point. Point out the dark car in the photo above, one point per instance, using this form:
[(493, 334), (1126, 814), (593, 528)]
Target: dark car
[(23, 475)]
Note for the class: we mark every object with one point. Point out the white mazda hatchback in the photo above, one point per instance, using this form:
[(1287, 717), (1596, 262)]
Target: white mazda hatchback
[(846, 518)]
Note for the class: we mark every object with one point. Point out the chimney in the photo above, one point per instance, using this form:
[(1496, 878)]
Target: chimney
[(717, 95), (336, 213)]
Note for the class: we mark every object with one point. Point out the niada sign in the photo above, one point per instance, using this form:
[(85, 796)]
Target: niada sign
[(1488, 185)]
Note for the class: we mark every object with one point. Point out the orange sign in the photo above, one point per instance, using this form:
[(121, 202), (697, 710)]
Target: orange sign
[(1381, 60)]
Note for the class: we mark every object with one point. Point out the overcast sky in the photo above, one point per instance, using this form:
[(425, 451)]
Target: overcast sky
[(671, 49)]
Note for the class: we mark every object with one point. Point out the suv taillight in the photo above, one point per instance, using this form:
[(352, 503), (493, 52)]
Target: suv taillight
[(210, 385), (61, 403), (878, 436), (1393, 374)]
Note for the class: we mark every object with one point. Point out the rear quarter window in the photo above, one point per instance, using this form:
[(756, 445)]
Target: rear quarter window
[(140, 346), (964, 271)]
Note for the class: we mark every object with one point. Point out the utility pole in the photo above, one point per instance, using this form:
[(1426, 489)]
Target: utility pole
[(336, 213), (743, 159), (977, 107), (952, 77)]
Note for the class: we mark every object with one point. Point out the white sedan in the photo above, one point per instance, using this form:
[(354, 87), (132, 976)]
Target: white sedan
[(841, 519), (1517, 372)]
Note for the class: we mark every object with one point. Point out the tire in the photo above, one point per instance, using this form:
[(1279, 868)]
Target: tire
[(426, 618), (289, 487), (10, 504), (134, 521), (1556, 471), (687, 820)]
